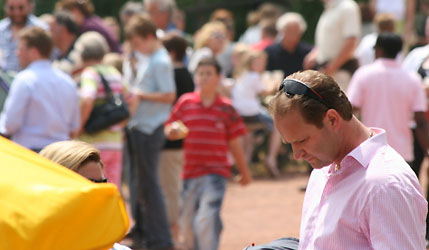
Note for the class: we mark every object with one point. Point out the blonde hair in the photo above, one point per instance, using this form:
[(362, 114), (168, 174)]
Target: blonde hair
[(203, 36), (246, 61), (71, 154)]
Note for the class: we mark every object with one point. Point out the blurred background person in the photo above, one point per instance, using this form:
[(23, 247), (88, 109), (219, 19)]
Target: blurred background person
[(246, 94), (92, 94), (265, 11), (268, 34), (43, 105), (155, 91), (288, 54), (83, 12), (161, 13), (18, 16), (224, 57), (365, 52), (403, 12), (64, 32), (210, 40), (114, 28), (337, 36)]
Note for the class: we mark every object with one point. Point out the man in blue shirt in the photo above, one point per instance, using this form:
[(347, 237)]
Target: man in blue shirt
[(18, 17), (42, 106)]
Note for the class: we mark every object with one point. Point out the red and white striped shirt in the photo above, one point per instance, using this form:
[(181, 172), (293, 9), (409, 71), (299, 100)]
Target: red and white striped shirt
[(374, 201), (210, 129)]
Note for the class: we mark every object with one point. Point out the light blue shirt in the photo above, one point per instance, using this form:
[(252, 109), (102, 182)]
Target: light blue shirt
[(157, 78), (42, 106), (9, 61)]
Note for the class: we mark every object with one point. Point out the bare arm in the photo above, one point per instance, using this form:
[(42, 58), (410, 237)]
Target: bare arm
[(345, 54), (422, 130), (86, 106), (236, 147), (157, 97)]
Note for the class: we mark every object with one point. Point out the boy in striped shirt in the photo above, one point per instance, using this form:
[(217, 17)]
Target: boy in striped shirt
[(215, 128)]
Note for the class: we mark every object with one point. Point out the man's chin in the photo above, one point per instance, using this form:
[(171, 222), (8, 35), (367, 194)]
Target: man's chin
[(19, 21)]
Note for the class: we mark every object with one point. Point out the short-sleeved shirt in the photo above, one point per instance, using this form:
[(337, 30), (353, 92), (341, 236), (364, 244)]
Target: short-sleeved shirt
[(210, 130), (388, 96), (288, 62), (245, 94), (91, 86), (340, 21), (157, 78), (8, 44)]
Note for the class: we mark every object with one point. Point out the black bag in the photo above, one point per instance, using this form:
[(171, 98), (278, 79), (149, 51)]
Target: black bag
[(111, 112)]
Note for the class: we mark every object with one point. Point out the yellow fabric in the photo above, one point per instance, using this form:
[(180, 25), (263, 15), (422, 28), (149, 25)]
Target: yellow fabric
[(46, 206)]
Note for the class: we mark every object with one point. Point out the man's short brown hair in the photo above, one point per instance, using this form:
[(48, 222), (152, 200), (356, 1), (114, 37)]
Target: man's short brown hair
[(38, 38), (312, 110), (84, 6), (140, 25)]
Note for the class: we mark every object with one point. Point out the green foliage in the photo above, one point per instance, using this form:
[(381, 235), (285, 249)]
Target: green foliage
[(198, 11)]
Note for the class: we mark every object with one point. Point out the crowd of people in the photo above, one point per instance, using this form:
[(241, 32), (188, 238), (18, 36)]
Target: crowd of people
[(192, 103)]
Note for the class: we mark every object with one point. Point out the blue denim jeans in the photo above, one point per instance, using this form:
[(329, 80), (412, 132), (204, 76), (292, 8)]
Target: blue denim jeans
[(151, 229), (200, 220)]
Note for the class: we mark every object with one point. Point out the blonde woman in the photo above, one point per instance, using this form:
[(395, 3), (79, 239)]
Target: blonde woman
[(81, 157), (209, 42)]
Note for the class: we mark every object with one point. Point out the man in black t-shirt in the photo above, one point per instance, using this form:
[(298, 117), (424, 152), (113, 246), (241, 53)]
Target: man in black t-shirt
[(288, 54)]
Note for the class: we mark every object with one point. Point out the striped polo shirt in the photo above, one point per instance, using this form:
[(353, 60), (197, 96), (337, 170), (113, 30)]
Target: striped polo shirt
[(210, 129)]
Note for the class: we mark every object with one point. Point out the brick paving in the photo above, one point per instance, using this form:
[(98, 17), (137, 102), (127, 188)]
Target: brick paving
[(263, 211)]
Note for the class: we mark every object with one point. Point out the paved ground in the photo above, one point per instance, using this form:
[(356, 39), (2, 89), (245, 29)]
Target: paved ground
[(263, 211)]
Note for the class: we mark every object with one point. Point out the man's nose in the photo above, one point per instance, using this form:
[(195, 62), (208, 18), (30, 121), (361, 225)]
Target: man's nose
[(298, 152)]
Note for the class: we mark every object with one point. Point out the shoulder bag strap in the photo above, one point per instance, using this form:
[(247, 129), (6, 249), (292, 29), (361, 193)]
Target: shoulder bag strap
[(105, 83)]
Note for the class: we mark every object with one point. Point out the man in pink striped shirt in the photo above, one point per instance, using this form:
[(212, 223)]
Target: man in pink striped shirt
[(361, 194)]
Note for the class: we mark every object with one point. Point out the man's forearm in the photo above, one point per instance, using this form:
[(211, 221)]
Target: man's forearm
[(347, 52), (157, 97)]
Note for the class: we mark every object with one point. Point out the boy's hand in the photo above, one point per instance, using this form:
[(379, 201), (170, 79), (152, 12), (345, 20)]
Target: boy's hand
[(245, 179), (176, 130)]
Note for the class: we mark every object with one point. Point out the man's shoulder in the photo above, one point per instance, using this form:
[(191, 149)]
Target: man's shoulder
[(4, 24), (348, 4), (387, 166), (273, 48), (35, 21)]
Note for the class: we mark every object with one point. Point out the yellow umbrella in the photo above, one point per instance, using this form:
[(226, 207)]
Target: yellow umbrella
[(47, 206)]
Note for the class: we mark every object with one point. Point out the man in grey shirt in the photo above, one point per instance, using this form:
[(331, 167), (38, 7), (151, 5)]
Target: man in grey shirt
[(43, 105)]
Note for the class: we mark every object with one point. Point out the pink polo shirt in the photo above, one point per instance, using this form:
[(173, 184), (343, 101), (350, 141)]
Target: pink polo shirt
[(374, 201), (388, 96)]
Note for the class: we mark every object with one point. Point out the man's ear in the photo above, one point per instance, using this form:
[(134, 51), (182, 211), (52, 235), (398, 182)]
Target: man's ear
[(332, 119)]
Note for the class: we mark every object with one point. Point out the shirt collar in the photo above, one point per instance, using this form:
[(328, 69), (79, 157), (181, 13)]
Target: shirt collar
[(30, 21), (39, 63), (364, 153)]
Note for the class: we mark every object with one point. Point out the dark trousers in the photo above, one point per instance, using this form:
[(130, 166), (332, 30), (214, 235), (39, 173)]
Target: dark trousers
[(419, 156), (147, 202)]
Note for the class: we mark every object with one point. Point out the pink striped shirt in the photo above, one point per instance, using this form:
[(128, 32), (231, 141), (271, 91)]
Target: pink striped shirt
[(374, 201)]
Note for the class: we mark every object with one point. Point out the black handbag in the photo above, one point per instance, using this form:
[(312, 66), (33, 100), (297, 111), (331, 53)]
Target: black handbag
[(112, 111)]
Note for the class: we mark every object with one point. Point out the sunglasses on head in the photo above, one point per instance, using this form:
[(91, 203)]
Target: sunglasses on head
[(104, 180), (292, 87)]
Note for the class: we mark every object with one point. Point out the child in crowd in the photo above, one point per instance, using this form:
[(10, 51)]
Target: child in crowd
[(214, 128), (245, 96)]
